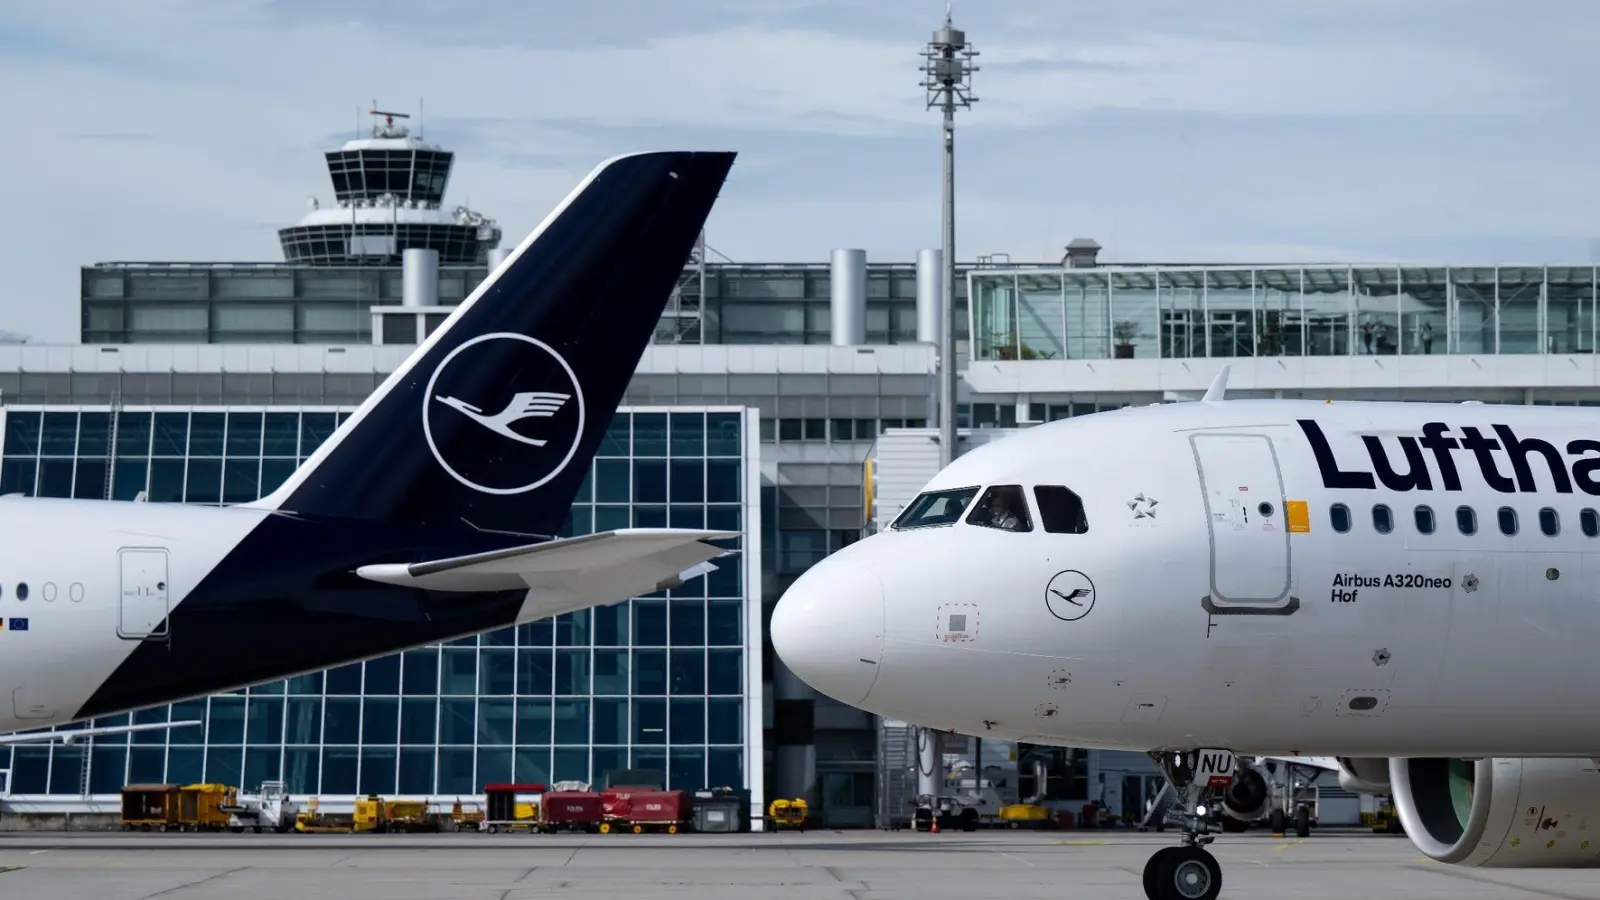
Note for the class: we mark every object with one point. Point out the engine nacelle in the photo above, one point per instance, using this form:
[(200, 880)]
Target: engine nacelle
[(1364, 774), (1247, 797), (1517, 813)]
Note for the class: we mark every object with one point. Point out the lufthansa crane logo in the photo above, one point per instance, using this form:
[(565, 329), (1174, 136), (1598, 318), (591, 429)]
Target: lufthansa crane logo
[(503, 413), (1069, 596), (526, 405)]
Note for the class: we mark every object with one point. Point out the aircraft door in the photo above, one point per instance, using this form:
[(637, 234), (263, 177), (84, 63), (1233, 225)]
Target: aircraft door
[(1249, 533), (142, 606)]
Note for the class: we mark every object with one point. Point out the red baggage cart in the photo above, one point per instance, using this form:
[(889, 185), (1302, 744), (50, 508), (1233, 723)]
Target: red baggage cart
[(571, 811), (659, 811)]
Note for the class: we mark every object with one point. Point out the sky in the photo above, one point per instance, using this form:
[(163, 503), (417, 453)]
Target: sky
[(1450, 131)]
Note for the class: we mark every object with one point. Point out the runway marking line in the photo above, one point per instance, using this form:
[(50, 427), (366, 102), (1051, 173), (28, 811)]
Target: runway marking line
[(1083, 843), (1288, 845)]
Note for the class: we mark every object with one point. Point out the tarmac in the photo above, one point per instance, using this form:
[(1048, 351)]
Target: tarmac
[(826, 865)]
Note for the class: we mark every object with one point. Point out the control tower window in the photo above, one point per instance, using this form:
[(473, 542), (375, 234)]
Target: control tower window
[(407, 174), (1003, 507), (935, 508), (1060, 510)]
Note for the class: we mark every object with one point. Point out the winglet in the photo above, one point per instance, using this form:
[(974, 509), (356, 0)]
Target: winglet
[(1218, 387)]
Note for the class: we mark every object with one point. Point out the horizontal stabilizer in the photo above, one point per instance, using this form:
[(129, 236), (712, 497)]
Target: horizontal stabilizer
[(645, 559)]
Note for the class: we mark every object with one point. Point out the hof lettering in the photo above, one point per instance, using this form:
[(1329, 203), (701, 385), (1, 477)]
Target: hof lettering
[(1347, 586)]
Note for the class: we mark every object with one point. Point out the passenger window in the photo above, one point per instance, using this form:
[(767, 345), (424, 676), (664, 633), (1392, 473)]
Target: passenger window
[(1466, 520), (1549, 522), (1339, 517), (22, 590), (1060, 510), (49, 591), (1589, 521), (1382, 519), (935, 508), (1424, 520), (1508, 520), (1004, 507)]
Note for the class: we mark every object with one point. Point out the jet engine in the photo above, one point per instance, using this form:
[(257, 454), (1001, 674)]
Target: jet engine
[(1364, 774), (1514, 813), (1247, 797)]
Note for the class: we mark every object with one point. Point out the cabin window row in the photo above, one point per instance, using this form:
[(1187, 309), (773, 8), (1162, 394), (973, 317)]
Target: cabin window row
[(1426, 522), (1003, 507)]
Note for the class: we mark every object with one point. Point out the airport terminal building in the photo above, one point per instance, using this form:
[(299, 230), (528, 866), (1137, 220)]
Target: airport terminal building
[(789, 401), (659, 683)]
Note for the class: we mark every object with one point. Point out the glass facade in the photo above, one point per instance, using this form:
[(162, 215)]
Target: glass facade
[(1150, 313), (380, 243), (413, 174), (311, 304), (658, 682)]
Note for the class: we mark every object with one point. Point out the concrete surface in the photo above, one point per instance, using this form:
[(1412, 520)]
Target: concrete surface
[(810, 866)]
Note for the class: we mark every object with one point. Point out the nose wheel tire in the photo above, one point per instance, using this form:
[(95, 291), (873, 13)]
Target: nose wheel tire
[(1182, 873)]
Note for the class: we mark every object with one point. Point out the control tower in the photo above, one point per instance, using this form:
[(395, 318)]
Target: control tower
[(389, 197)]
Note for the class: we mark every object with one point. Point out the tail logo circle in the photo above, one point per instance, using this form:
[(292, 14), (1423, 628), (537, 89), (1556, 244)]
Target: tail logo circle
[(503, 413)]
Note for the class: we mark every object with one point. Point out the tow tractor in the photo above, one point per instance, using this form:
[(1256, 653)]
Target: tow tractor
[(269, 809)]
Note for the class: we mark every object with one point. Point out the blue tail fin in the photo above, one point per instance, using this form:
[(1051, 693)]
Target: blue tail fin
[(493, 421)]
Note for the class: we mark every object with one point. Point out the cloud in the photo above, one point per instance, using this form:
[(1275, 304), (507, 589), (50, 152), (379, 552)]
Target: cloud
[(1237, 130), (112, 136)]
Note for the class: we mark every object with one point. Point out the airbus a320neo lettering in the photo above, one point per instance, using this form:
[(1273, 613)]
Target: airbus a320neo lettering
[(430, 514), (1404, 588)]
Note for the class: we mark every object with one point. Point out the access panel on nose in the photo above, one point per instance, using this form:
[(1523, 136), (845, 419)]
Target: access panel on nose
[(1246, 525)]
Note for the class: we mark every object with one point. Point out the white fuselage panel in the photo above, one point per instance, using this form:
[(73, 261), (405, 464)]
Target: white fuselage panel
[(1232, 612)]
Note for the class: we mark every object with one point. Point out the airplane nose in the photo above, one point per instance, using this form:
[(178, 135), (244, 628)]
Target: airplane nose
[(828, 628)]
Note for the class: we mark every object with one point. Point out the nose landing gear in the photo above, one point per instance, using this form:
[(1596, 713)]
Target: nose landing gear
[(1189, 871)]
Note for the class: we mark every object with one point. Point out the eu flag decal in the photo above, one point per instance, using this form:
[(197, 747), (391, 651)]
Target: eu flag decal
[(17, 625)]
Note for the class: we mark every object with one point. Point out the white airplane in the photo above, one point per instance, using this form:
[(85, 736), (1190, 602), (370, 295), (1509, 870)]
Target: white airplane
[(414, 523), (1406, 587)]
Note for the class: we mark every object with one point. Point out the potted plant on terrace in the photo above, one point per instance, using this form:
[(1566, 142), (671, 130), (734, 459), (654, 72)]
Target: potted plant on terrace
[(1122, 335)]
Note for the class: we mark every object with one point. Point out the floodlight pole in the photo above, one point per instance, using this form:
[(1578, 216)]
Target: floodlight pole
[(948, 70)]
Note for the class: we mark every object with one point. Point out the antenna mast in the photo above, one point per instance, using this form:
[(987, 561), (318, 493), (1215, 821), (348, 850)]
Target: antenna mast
[(948, 70)]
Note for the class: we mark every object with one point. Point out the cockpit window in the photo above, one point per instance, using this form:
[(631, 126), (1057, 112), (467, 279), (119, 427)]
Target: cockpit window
[(935, 508), (1060, 510), (1004, 507)]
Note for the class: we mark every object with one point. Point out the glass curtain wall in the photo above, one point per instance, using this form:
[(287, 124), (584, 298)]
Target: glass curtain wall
[(657, 682), (1153, 313)]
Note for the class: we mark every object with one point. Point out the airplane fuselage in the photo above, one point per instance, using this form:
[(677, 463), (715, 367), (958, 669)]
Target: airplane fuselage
[(136, 604), (1273, 577)]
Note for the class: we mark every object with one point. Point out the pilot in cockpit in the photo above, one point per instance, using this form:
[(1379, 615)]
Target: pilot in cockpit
[(1000, 509)]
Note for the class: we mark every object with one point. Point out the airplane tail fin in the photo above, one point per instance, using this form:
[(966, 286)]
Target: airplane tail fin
[(493, 421)]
